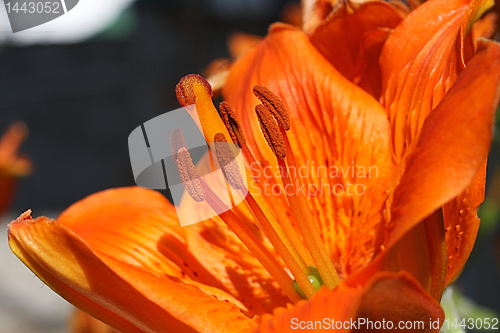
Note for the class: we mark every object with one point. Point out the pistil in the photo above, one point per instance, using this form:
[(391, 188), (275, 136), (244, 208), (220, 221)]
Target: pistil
[(195, 90)]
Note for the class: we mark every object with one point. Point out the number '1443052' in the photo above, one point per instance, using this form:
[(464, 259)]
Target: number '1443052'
[(33, 7), (472, 323)]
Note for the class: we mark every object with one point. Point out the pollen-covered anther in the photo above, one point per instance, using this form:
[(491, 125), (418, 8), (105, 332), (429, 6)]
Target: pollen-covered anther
[(184, 89), (188, 175), (232, 123), (271, 131), (274, 104), (176, 142), (227, 160)]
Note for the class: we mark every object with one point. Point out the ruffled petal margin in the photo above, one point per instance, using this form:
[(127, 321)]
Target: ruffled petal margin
[(453, 145), (421, 61), (352, 38)]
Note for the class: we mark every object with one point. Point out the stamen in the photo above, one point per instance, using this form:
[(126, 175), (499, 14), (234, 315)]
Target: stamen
[(275, 207), (305, 208), (271, 131), (284, 248), (298, 202), (263, 213), (273, 231), (227, 161), (290, 237), (274, 104), (309, 231), (176, 142), (271, 227), (252, 243), (187, 173), (284, 228), (193, 89), (232, 123)]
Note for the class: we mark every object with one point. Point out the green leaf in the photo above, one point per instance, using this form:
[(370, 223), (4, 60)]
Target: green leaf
[(462, 313), (451, 312)]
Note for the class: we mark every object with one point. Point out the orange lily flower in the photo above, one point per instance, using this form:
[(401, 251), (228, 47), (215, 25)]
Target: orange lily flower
[(386, 253), (12, 166)]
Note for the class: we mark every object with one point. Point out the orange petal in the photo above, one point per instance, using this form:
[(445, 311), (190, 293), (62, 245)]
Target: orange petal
[(238, 43), (485, 27), (411, 254), (422, 253), (140, 227), (340, 304), (82, 322), (371, 48), (453, 145), (420, 62), (436, 240), (127, 224), (222, 254), (400, 299), (314, 12), (340, 37), (122, 295), (475, 10), (335, 125), (462, 224), (216, 73), (388, 297)]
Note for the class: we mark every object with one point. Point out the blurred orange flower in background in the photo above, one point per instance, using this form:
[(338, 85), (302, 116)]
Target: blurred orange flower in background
[(12, 165), (365, 85)]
